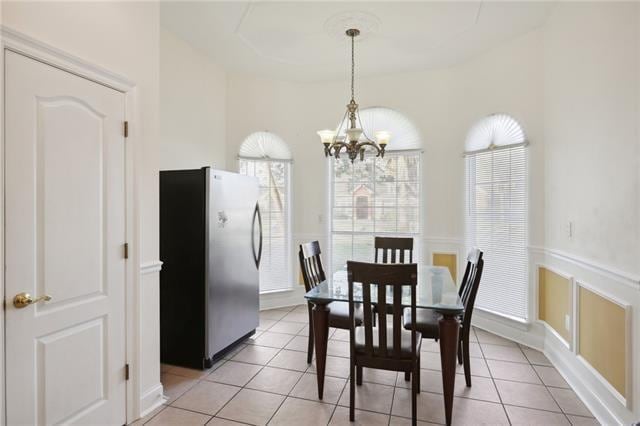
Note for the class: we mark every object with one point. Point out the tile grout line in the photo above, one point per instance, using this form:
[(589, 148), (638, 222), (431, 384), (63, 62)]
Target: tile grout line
[(346, 381), (504, 409), (550, 393)]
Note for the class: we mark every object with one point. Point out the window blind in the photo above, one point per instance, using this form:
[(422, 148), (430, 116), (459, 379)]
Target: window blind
[(377, 196), (497, 223), (273, 177)]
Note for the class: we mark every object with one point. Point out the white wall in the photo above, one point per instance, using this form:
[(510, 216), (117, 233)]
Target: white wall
[(192, 107), (592, 147), (122, 37), (591, 78), (443, 104)]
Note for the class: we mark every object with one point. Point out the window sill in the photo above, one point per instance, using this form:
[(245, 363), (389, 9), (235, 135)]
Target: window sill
[(279, 290), (512, 321)]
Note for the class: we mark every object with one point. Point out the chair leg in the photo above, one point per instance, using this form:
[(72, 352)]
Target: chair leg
[(414, 395), (460, 353), (373, 319), (359, 375), (418, 375), (407, 376), (310, 345), (467, 361), (352, 392)]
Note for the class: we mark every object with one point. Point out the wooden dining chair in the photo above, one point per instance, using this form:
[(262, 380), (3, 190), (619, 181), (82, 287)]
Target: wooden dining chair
[(312, 275), (427, 322), (387, 346), (392, 250)]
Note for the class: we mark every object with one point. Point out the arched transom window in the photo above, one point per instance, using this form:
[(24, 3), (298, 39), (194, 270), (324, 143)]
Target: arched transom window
[(496, 212), (267, 157), (377, 196)]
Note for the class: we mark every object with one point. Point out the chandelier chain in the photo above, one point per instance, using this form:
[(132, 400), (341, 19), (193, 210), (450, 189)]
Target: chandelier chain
[(353, 66)]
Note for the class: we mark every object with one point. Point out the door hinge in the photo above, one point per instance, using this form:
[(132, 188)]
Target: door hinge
[(126, 250), (126, 371), (126, 129)]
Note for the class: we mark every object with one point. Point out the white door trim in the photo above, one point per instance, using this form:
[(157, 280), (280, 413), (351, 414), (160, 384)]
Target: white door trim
[(25, 45)]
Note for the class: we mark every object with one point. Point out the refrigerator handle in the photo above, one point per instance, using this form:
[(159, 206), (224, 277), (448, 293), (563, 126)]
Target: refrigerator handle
[(257, 258)]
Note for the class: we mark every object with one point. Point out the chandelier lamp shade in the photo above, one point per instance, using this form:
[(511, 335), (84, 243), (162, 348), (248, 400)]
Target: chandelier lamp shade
[(353, 140)]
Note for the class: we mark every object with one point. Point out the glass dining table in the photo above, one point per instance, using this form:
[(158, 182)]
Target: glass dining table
[(435, 290)]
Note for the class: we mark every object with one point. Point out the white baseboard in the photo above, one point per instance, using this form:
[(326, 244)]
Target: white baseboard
[(281, 299), (152, 399), (581, 381), (539, 337), (525, 334)]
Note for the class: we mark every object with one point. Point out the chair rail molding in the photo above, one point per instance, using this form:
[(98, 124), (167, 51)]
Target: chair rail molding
[(150, 267), (623, 277), (620, 287)]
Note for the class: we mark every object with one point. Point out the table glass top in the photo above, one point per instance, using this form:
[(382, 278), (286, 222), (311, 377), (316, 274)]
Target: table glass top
[(435, 290)]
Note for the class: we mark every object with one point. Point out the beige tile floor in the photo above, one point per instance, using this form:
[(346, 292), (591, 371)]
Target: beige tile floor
[(266, 380)]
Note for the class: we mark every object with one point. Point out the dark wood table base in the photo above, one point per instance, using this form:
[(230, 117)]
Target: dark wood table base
[(321, 336), (449, 329)]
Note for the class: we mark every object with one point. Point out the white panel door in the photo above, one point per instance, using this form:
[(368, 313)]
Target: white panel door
[(64, 230)]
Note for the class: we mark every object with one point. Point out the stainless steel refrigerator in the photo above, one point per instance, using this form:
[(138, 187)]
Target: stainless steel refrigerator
[(210, 246)]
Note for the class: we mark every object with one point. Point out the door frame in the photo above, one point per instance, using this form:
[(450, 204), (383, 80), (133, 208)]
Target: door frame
[(25, 45)]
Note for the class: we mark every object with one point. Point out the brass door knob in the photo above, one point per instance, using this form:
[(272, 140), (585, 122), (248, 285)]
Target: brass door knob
[(22, 300)]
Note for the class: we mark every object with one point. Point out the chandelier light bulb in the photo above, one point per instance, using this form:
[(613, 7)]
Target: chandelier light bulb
[(353, 135), (327, 136), (383, 137)]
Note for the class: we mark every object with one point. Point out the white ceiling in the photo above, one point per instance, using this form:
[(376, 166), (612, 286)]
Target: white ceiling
[(303, 41)]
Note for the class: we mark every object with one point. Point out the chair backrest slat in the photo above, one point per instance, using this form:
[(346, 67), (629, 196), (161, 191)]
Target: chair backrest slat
[(368, 329), (311, 264), (393, 249), (382, 313), (470, 284), (383, 278), (397, 319)]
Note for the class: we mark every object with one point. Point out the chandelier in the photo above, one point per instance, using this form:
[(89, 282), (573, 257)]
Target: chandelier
[(355, 141)]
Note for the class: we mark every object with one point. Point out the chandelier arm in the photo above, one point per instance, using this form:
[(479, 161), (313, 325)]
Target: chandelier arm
[(367, 143), (344, 118), (337, 147)]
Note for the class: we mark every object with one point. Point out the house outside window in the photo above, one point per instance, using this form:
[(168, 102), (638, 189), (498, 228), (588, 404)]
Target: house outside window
[(377, 196)]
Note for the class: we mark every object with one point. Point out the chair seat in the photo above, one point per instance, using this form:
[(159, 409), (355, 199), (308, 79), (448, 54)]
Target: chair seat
[(405, 341), (427, 322), (339, 314)]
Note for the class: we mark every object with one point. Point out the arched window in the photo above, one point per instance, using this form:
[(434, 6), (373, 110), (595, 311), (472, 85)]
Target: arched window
[(377, 196), (496, 212), (266, 156)]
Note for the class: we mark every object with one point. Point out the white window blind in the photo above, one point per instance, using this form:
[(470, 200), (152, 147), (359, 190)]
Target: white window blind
[(274, 203), (496, 212), (375, 197)]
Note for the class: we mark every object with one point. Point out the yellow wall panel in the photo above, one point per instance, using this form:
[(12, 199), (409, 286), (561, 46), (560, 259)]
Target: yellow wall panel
[(447, 260), (554, 300), (602, 337)]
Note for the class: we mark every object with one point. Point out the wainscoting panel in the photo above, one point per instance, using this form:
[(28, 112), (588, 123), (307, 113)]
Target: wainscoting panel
[(603, 337), (555, 302), (448, 260)]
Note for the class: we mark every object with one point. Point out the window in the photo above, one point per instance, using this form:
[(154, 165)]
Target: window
[(378, 196), (267, 157), (496, 212)]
